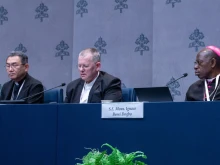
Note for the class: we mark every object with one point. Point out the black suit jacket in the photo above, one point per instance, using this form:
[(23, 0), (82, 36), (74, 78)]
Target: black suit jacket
[(196, 91), (106, 87), (31, 86)]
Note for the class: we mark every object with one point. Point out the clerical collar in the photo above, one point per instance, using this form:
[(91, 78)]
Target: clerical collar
[(210, 80), (21, 81), (207, 96)]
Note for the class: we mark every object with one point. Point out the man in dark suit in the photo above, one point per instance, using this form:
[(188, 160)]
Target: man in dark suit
[(21, 85), (207, 68), (94, 85)]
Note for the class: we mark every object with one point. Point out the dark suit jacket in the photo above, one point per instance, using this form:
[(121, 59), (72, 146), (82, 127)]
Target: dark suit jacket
[(31, 86), (196, 91), (106, 87)]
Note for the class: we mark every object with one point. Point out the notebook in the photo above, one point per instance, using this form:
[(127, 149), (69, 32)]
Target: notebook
[(153, 94)]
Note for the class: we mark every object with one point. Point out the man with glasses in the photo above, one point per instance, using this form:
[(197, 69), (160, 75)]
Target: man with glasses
[(21, 85), (207, 68), (94, 85)]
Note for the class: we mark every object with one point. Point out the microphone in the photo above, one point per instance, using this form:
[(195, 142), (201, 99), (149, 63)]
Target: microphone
[(63, 84), (184, 75)]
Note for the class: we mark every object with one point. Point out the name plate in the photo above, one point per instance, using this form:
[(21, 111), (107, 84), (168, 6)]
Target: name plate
[(123, 110)]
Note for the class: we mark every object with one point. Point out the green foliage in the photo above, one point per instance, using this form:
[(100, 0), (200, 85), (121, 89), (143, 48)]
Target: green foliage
[(95, 157)]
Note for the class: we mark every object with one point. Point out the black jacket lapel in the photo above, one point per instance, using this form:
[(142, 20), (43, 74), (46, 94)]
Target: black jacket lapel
[(9, 91), (76, 97), (97, 87)]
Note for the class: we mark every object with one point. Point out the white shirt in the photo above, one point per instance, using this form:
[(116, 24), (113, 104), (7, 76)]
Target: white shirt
[(86, 89)]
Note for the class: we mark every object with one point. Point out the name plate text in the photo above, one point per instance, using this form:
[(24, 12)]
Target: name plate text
[(123, 110)]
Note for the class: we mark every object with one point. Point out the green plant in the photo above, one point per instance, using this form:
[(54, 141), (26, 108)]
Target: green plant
[(95, 157)]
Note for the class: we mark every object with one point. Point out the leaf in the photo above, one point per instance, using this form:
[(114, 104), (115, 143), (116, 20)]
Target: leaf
[(37, 16), (137, 49), (98, 159), (190, 45), (104, 51), (45, 15), (94, 157), (139, 163), (202, 44), (78, 11), (125, 6), (117, 7)]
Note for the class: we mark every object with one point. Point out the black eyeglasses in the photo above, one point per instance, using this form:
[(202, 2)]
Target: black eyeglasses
[(13, 66)]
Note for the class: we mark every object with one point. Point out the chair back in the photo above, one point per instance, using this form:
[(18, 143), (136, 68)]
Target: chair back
[(128, 95), (54, 96)]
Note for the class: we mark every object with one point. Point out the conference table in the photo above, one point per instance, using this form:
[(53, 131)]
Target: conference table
[(178, 133)]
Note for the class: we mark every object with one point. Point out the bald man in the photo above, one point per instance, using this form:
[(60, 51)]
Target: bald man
[(207, 68)]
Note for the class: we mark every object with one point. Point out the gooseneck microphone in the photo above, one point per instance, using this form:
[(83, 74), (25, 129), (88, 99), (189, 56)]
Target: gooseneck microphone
[(184, 75), (63, 84)]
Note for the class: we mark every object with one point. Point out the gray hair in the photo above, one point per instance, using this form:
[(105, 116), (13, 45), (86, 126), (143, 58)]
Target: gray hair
[(20, 54), (96, 57)]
